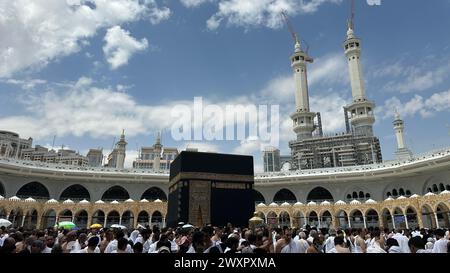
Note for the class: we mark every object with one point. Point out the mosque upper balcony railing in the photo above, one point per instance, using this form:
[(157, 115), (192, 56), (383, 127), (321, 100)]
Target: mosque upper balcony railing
[(73, 168), (430, 155), (438, 153)]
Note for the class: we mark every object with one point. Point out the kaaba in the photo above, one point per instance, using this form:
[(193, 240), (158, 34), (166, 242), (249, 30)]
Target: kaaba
[(211, 188)]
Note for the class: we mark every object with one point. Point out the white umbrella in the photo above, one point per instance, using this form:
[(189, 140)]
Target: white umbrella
[(118, 226), (188, 226), (5, 223)]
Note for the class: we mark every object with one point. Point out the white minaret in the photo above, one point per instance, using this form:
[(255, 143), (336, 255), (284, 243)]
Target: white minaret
[(303, 119), (157, 151), (402, 153), (121, 151), (361, 110)]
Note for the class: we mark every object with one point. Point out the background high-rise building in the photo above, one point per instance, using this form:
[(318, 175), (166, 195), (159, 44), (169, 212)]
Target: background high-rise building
[(156, 157), (271, 156), (43, 154), (11, 145), (95, 157), (116, 159)]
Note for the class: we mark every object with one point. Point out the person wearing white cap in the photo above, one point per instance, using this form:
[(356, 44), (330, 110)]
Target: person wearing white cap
[(430, 243), (302, 244)]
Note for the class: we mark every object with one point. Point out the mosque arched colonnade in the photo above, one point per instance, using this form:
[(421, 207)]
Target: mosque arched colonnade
[(30, 213), (428, 211)]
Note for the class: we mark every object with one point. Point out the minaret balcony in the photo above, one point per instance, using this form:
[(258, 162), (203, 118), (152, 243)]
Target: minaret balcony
[(367, 119), (303, 115), (360, 104), (304, 128)]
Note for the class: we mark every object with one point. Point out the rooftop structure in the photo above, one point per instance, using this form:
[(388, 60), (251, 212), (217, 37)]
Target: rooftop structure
[(156, 157)]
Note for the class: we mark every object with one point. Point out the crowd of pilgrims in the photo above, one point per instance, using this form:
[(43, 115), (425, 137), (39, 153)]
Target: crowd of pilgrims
[(229, 239)]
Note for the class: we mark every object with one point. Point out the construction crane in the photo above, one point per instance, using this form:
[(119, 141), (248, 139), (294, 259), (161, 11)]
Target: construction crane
[(294, 35), (352, 15), (290, 27)]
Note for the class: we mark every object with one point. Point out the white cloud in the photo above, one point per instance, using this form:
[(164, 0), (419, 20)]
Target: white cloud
[(26, 84), (407, 78), (35, 33), (329, 71), (120, 46), (82, 109), (201, 146), (130, 156), (248, 146), (252, 13), (438, 102), (194, 3), (332, 113)]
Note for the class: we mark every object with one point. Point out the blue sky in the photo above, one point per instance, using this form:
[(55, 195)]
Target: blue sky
[(83, 70)]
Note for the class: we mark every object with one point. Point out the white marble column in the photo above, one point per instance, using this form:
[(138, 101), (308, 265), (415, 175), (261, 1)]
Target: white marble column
[(406, 221), (437, 220)]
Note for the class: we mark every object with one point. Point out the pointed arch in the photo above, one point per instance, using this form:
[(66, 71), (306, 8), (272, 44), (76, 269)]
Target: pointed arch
[(75, 192), (143, 218), (98, 217), (319, 194), (313, 218), (284, 195), (157, 218), (48, 218), (258, 197), (326, 219), (356, 219), (35, 190), (81, 218), (127, 219), (285, 219), (443, 215), (115, 193), (372, 218), (342, 219), (154, 193), (411, 217), (31, 219), (299, 220), (428, 218), (113, 218), (387, 218)]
